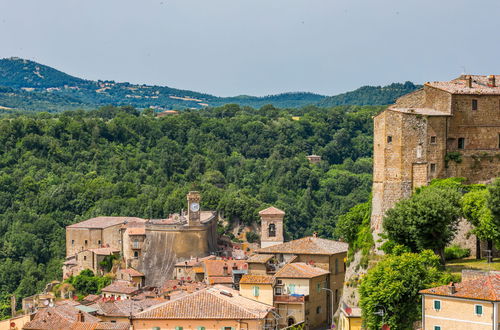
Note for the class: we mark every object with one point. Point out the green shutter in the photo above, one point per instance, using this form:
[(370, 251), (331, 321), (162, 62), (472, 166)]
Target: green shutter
[(178, 328), (437, 327), (256, 290), (200, 328), (479, 309), (437, 305)]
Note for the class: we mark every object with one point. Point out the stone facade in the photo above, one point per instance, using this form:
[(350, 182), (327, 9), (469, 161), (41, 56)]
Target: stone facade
[(151, 246), (447, 129), (271, 227)]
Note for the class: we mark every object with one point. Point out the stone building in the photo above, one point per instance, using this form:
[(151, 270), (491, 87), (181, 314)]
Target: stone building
[(271, 227), (152, 246), (446, 129)]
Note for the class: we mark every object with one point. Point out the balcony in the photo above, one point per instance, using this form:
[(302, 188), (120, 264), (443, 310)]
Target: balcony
[(288, 298)]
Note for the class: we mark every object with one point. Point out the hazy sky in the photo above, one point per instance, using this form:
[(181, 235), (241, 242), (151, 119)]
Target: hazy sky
[(257, 47)]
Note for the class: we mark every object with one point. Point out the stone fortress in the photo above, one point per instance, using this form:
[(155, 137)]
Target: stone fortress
[(446, 129), (152, 246)]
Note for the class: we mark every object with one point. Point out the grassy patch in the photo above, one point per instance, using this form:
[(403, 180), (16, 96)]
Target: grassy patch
[(456, 266)]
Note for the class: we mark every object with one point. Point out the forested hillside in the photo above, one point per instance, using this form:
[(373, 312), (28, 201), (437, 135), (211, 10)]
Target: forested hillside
[(27, 85), (59, 169)]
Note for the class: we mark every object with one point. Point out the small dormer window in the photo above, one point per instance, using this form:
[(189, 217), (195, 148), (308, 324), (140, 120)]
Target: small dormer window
[(474, 104)]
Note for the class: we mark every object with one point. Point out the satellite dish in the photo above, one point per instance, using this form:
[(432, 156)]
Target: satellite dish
[(46, 302)]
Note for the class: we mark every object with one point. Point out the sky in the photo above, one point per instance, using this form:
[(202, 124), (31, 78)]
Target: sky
[(256, 47)]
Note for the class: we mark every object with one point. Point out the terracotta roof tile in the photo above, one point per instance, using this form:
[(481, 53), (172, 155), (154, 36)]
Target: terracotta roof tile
[(59, 317), (458, 86), (260, 258), (218, 303), (120, 287), (307, 245), (216, 267), (300, 270), (124, 307), (220, 280), (131, 272), (256, 279), (481, 288), (136, 231), (272, 211), (104, 222)]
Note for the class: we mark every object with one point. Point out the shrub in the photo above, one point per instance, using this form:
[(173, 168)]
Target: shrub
[(252, 237), (456, 252)]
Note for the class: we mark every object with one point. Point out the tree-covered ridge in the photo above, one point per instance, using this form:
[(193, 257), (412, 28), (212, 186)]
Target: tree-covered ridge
[(371, 95), (27, 85), (59, 169)]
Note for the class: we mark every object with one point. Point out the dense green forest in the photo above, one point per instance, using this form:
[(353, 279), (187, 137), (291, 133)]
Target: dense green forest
[(27, 85), (62, 168)]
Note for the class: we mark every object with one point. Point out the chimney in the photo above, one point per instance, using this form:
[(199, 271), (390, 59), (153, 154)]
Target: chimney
[(468, 81), (452, 288), (491, 81), (79, 317)]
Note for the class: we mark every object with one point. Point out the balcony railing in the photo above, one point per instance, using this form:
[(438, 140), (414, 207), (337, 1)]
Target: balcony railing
[(287, 298)]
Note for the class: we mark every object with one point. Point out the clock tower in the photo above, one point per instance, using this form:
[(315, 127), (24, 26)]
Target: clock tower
[(193, 199)]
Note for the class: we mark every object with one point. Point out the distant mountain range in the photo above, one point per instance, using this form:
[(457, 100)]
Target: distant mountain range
[(27, 85)]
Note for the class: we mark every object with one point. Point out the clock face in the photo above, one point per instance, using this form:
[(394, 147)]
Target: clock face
[(194, 207)]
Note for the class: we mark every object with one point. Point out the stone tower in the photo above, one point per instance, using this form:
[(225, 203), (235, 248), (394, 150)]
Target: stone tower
[(194, 209), (271, 227)]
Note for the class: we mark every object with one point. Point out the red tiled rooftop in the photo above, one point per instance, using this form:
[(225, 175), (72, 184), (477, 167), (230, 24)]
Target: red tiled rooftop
[(120, 287), (307, 245), (256, 279), (131, 272), (216, 267), (459, 86), (272, 211), (481, 288), (58, 318), (104, 222), (215, 303), (300, 270)]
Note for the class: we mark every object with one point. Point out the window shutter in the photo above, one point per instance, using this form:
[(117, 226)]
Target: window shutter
[(479, 309)]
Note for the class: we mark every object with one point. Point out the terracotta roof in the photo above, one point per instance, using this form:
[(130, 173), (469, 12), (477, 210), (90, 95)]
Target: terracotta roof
[(300, 270), (120, 287), (481, 288), (131, 272), (307, 245), (217, 303), (260, 258), (272, 211), (419, 111), (59, 317), (220, 280), (256, 279), (458, 86), (124, 307), (194, 261), (176, 285), (136, 231), (100, 326), (216, 267), (104, 222), (91, 298)]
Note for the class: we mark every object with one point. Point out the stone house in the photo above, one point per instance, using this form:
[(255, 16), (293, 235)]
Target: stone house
[(213, 308), (446, 129), (471, 304)]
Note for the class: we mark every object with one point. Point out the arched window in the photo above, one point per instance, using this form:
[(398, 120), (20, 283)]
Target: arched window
[(136, 254), (291, 321), (272, 230)]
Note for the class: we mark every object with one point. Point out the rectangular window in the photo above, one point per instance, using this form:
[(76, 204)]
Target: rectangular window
[(73, 241), (478, 309), (85, 242), (461, 143), (336, 266), (318, 287), (84, 257), (178, 328), (136, 244), (437, 305), (474, 104), (99, 242), (389, 138), (437, 327), (291, 288), (277, 291), (256, 290), (433, 139), (433, 168), (155, 328), (200, 328)]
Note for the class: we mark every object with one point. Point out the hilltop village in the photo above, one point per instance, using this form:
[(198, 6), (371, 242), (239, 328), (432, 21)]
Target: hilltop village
[(179, 273)]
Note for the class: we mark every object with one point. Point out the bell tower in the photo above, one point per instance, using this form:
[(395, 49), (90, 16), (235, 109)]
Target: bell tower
[(193, 198), (271, 221)]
